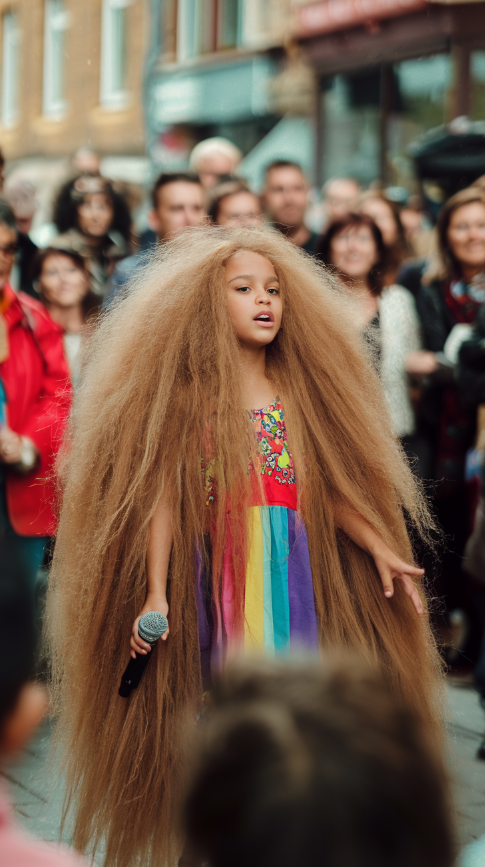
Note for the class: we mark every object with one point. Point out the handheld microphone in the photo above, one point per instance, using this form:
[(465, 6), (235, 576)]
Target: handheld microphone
[(150, 628)]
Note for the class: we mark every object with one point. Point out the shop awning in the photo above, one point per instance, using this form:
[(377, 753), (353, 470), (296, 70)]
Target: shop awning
[(212, 94), (329, 16)]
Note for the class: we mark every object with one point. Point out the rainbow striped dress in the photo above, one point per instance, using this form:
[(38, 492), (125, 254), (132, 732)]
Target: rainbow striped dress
[(279, 601)]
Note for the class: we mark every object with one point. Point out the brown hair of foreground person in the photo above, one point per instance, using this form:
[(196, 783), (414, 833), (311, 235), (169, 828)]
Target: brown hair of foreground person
[(304, 765)]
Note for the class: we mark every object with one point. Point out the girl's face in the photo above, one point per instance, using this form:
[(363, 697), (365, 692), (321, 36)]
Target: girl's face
[(466, 234), (354, 252), (62, 282), (254, 299), (383, 217), (95, 215)]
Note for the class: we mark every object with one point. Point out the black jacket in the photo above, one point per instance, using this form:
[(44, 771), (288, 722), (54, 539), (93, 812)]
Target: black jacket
[(471, 364)]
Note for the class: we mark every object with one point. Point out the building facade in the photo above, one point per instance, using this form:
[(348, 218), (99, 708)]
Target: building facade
[(389, 71), (342, 86), (210, 69), (72, 74)]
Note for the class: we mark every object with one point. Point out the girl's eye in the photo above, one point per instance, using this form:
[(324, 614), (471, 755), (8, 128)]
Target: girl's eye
[(243, 289), (273, 291)]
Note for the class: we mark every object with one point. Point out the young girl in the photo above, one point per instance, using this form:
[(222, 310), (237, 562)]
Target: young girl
[(231, 465)]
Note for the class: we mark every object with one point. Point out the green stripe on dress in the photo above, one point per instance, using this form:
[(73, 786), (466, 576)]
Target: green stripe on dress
[(277, 576)]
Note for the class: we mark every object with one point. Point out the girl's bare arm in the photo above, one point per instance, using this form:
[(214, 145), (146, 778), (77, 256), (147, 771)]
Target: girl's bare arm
[(158, 557)]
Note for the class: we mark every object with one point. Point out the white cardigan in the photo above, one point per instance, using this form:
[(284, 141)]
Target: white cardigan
[(400, 333)]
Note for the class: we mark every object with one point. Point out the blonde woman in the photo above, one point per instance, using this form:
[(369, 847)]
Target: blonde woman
[(231, 464)]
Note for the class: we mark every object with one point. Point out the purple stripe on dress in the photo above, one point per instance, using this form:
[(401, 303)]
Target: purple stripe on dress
[(303, 618), (205, 621)]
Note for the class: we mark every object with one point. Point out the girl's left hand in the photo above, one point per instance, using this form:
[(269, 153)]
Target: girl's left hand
[(390, 567)]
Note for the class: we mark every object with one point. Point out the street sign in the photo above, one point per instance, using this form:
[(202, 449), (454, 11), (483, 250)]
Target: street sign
[(331, 15)]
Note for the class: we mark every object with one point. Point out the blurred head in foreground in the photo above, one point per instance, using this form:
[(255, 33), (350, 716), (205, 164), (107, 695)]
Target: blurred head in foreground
[(304, 765), (22, 703)]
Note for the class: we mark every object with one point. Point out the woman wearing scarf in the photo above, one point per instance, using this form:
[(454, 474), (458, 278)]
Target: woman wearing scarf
[(451, 294)]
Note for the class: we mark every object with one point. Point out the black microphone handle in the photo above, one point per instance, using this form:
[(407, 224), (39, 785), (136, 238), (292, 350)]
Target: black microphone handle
[(133, 673)]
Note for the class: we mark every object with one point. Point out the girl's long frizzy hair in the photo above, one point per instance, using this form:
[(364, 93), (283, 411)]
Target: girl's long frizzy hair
[(163, 369)]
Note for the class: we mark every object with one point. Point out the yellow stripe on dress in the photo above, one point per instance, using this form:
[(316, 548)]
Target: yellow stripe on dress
[(254, 599)]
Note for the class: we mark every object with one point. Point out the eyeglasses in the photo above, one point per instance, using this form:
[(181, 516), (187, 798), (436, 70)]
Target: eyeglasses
[(9, 250)]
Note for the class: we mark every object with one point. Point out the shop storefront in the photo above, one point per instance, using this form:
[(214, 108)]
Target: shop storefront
[(388, 71), (185, 105)]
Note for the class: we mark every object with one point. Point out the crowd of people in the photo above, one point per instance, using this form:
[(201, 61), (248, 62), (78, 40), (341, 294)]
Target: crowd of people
[(411, 297)]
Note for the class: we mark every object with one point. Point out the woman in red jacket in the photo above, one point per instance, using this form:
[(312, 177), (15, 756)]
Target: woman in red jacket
[(34, 404)]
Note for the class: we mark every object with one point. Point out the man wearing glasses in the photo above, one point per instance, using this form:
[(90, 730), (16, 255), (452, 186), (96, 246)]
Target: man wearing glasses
[(34, 404)]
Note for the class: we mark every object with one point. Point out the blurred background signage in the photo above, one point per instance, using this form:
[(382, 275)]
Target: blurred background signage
[(331, 15)]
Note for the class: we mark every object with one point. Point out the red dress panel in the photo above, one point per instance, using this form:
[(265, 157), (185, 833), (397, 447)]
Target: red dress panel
[(36, 381)]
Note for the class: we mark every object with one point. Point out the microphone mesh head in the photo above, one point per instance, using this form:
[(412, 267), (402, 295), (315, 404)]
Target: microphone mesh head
[(151, 626)]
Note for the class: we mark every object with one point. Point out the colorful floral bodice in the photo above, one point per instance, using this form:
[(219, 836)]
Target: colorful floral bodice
[(276, 463), (270, 432)]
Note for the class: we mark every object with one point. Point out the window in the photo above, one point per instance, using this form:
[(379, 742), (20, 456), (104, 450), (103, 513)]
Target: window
[(55, 25), (10, 69), (229, 24), (422, 90), (205, 26), (113, 92), (477, 69), (351, 123)]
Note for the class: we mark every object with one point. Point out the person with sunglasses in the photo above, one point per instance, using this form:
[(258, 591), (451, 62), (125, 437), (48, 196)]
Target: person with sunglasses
[(34, 404)]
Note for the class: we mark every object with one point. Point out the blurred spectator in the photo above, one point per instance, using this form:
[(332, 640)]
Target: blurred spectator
[(386, 315), (232, 203), (21, 196), (285, 199), (2, 170), (340, 197), (85, 161), (449, 297), (214, 158), (23, 703), (93, 219), (178, 202), (385, 214), (303, 765), (34, 403), (471, 385), (62, 281), (417, 226)]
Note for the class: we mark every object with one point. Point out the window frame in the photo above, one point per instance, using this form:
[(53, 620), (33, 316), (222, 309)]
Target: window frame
[(54, 106), (10, 109), (112, 94)]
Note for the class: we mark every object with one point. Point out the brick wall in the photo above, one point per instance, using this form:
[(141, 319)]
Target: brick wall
[(110, 131)]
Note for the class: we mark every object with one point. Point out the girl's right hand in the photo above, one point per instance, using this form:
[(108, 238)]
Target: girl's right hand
[(137, 645)]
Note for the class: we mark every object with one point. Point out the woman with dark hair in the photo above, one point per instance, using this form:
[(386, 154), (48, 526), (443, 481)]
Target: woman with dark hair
[(94, 220), (62, 281), (231, 203), (386, 216), (386, 314)]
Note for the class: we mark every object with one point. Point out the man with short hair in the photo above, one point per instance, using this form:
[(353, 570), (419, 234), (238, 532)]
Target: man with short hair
[(178, 202), (285, 200), (213, 159), (340, 197)]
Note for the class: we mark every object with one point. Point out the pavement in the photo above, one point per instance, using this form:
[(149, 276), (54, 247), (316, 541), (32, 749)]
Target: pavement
[(36, 782)]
